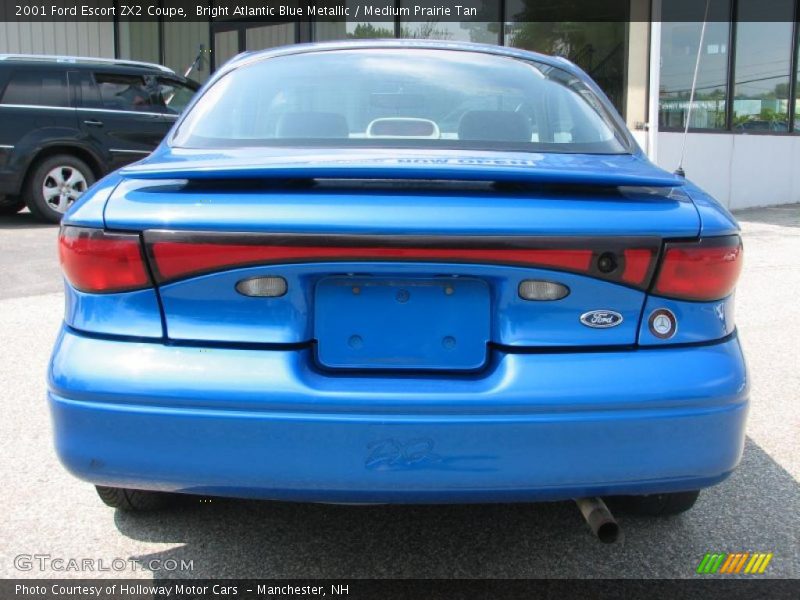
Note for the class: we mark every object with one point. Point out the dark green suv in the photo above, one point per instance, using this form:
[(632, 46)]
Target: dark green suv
[(67, 121)]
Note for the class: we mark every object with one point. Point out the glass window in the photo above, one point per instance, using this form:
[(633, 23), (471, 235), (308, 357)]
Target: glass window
[(761, 80), (797, 86), (679, 42), (175, 94), (402, 98), (362, 30), (37, 88), (129, 92), (476, 30), (86, 92), (369, 30), (599, 48)]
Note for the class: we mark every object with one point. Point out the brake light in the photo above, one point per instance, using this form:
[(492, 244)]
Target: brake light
[(97, 261), (702, 271)]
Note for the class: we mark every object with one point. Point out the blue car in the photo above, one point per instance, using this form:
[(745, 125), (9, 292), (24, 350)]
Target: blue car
[(399, 272)]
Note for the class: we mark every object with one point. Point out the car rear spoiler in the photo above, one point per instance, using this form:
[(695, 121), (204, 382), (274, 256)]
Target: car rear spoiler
[(571, 169)]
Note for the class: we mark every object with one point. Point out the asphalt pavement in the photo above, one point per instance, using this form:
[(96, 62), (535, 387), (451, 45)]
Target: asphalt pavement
[(45, 511)]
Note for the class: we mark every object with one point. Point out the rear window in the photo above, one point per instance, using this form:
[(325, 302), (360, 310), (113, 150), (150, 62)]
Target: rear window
[(37, 88), (402, 98)]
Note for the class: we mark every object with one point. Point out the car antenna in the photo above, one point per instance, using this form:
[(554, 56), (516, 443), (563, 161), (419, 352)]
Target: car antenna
[(679, 171), (197, 64)]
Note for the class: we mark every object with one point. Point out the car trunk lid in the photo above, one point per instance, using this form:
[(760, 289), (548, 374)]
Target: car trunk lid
[(413, 274)]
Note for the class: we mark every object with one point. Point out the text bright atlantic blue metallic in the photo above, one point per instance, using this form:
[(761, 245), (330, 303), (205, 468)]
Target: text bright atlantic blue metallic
[(402, 361)]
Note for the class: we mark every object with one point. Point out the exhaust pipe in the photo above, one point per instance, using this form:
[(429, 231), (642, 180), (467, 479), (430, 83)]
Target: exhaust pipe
[(599, 518)]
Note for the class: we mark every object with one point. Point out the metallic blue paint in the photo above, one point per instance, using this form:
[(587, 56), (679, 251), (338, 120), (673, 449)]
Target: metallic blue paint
[(244, 413), (375, 163), (395, 323), (140, 204), (697, 321), (248, 422), (88, 209), (209, 308), (715, 218), (134, 314)]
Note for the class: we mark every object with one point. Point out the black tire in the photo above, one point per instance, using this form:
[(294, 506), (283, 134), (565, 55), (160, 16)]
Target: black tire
[(133, 500), (41, 176), (11, 205), (656, 505)]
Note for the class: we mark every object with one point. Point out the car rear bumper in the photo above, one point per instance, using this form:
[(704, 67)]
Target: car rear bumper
[(254, 422)]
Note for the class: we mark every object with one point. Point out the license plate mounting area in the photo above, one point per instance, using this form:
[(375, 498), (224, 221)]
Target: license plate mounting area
[(438, 323)]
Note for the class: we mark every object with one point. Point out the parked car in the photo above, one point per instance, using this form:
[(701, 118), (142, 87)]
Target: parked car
[(67, 121), (319, 289), (761, 125)]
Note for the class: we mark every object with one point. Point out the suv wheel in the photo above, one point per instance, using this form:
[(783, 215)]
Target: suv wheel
[(132, 500), (11, 205), (55, 184), (657, 505)]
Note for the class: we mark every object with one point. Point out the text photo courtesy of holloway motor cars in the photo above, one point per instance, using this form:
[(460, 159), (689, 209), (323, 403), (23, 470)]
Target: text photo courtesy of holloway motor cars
[(400, 298)]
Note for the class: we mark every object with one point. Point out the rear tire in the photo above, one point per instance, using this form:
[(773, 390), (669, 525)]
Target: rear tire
[(657, 505), (54, 184), (11, 205), (133, 500)]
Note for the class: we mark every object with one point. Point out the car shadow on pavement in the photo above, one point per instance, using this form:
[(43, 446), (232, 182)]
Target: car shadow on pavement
[(23, 220), (754, 510)]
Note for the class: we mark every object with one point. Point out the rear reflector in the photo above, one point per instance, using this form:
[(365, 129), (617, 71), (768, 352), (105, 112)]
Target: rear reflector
[(702, 271), (97, 261)]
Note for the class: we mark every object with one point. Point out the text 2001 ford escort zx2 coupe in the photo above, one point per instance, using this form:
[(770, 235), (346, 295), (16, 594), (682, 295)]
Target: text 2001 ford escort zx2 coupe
[(399, 272)]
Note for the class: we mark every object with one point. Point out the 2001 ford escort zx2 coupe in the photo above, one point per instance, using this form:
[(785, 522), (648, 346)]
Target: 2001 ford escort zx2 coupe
[(399, 272)]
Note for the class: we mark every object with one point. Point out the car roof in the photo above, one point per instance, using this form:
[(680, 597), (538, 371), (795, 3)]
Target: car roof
[(255, 56), (82, 62)]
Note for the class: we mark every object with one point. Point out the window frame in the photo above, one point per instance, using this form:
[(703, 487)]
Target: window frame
[(728, 129)]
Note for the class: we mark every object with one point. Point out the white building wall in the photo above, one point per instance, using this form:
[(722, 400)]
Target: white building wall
[(741, 171), (77, 39)]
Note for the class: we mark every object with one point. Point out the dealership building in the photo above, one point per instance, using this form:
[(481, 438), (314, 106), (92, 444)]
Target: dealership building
[(743, 144)]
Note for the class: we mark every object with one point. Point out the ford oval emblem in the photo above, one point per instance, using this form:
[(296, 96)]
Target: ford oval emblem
[(601, 319)]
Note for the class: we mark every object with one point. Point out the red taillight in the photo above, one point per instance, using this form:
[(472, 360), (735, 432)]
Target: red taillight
[(704, 271), (97, 261), (637, 265), (174, 260)]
